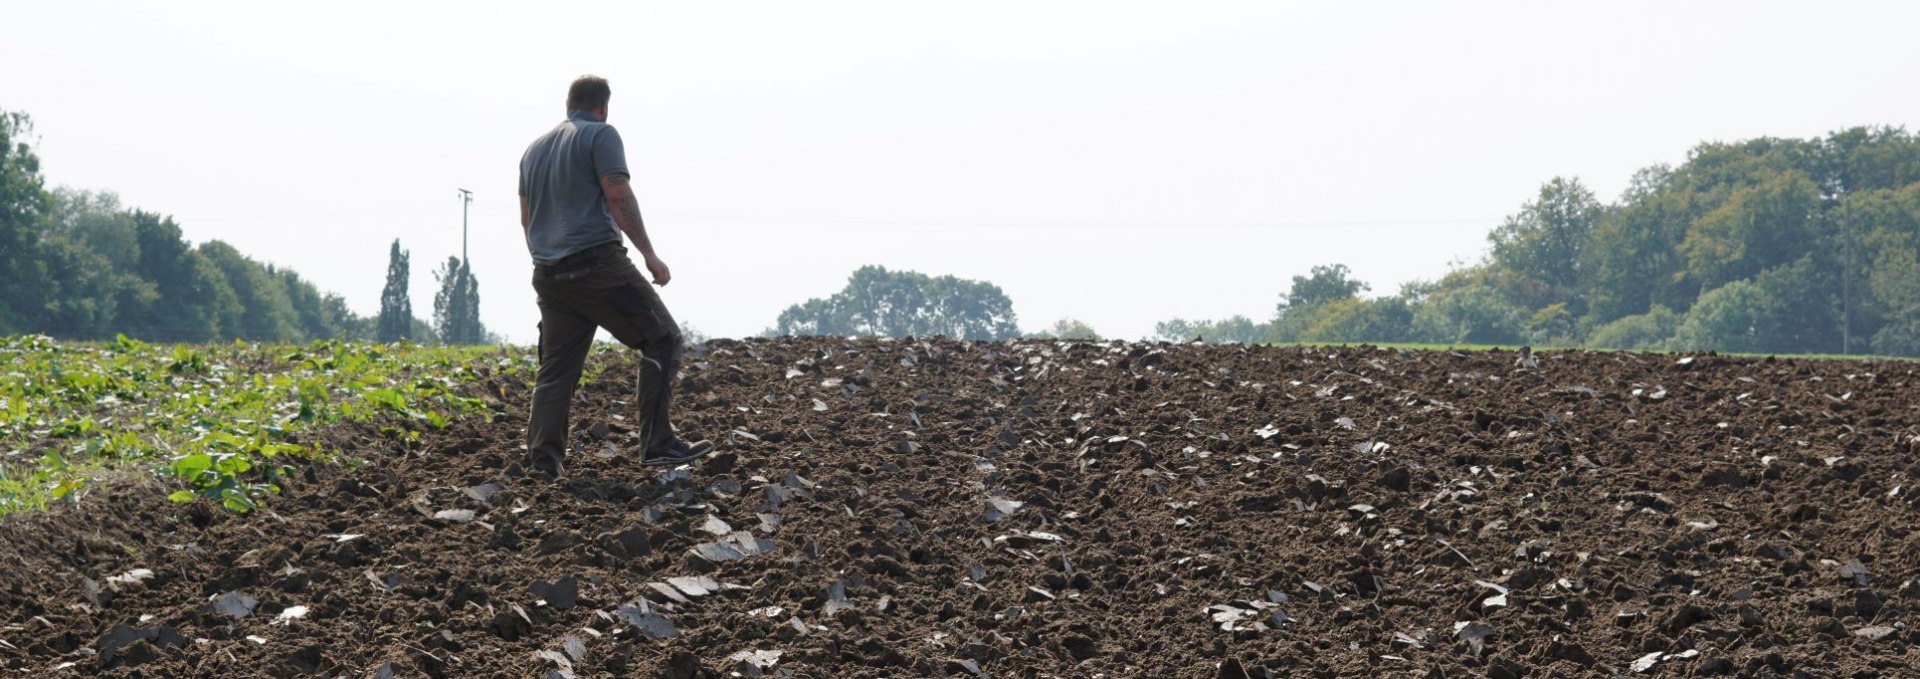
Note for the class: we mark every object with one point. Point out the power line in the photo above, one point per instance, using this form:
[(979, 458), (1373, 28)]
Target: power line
[(1385, 223), (1269, 224)]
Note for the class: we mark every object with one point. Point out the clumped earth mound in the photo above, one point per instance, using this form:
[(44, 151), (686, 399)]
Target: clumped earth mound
[(1051, 509)]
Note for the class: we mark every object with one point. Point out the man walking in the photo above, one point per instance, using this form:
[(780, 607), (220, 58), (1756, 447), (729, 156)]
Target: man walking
[(575, 202)]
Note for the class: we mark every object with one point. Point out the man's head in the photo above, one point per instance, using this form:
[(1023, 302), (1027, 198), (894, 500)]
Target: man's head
[(589, 94)]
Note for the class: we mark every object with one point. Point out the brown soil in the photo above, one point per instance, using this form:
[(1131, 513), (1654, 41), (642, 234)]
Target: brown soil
[(1039, 509)]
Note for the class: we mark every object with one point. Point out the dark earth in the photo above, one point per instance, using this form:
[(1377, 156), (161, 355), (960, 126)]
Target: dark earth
[(929, 508)]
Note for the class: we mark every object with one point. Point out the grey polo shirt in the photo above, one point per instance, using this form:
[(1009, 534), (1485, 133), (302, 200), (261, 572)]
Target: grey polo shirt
[(560, 177)]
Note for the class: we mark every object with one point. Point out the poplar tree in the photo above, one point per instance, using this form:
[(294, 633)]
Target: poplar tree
[(396, 307)]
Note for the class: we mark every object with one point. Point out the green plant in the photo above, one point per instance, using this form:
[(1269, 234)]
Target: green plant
[(221, 420)]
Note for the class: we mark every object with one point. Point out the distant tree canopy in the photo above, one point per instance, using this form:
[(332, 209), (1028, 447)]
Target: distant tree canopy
[(1767, 245), (878, 302), (1321, 285), (1067, 329), (1235, 330), (78, 265)]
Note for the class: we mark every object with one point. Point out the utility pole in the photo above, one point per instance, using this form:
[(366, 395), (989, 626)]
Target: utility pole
[(1846, 280), (466, 199)]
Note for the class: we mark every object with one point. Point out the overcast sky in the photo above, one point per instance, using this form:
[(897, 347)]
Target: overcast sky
[(1118, 163)]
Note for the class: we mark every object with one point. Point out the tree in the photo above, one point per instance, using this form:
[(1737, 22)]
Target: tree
[(1781, 310), (91, 251), (1067, 329), (1880, 268), (1726, 318), (1175, 330), (24, 205), (456, 308), (1552, 324), (1231, 330), (266, 313), (1472, 314), (882, 303), (1359, 320), (1648, 331), (1322, 284), (320, 314), (1756, 228), (396, 306), (1868, 158), (1543, 245), (1632, 260)]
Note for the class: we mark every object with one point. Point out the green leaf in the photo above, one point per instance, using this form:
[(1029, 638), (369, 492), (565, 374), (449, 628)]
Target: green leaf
[(182, 496), (66, 488), (238, 504), (192, 466), (233, 465)]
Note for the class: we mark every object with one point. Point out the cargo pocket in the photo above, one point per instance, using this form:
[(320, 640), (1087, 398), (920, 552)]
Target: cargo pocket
[(630, 303), (635, 322)]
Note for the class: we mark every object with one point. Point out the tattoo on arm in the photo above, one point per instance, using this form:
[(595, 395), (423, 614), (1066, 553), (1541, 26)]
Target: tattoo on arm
[(626, 210)]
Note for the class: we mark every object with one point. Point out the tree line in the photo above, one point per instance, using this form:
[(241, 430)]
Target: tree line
[(79, 265), (1766, 246)]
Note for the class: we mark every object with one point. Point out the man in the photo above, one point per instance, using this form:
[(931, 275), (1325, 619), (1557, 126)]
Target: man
[(575, 202)]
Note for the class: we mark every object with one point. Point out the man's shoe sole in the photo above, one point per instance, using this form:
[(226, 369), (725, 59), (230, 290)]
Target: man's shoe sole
[(700, 450)]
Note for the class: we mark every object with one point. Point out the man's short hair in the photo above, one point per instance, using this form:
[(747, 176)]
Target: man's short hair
[(588, 93)]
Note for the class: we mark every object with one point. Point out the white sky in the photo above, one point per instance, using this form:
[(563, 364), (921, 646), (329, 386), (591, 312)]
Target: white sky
[(1120, 163)]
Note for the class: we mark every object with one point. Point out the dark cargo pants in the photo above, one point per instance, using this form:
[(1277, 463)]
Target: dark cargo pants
[(600, 288)]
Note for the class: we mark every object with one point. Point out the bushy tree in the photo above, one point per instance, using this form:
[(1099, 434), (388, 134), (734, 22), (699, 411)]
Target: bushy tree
[(215, 294), (193, 296), (1756, 228), (1472, 314), (1726, 318), (90, 249), (24, 204), (1649, 331), (266, 313), (1544, 244), (1781, 310), (1551, 325), (1067, 329), (878, 302), (1323, 283), (1633, 261), (1230, 330), (1352, 319)]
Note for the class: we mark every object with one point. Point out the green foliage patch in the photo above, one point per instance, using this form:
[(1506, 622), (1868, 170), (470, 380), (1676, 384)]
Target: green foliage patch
[(223, 422)]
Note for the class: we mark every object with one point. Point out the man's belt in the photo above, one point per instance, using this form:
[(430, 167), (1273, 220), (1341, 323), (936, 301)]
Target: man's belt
[(580, 261)]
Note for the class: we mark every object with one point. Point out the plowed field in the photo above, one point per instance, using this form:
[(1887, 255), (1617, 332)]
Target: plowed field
[(1041, 509)]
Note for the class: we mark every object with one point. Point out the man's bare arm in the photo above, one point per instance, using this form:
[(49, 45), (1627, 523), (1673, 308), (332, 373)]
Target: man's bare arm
[(526, 216), (626, 214)]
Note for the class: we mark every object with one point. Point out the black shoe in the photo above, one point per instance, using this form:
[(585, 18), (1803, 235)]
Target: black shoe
[(546, 469), (677, 452)]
